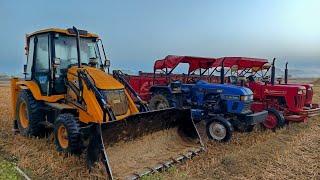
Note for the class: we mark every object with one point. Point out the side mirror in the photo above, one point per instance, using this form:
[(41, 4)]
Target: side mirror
[(26, 50), (106, 63), (25, 69)]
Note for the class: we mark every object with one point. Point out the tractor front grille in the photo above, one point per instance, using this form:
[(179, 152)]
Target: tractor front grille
[(309, 94), (299, 101), (246, 107), (118, 101)]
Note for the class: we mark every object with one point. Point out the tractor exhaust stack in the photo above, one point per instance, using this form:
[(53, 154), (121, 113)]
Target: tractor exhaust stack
[(286, 74), (222, 72), (273, 71)]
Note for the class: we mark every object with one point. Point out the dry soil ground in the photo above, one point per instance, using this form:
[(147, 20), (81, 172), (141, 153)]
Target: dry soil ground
[(290, 153)]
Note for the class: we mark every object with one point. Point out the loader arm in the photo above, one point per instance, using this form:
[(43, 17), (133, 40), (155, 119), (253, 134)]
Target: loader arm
[(105, 107), (117, 74)]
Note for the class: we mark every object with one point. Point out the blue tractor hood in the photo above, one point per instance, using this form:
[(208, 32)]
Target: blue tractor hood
[(224, 88)]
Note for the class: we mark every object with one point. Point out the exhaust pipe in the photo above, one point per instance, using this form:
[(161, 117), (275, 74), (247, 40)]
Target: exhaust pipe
[(222, 72), (273, 71), (78, 45), (286, 74)]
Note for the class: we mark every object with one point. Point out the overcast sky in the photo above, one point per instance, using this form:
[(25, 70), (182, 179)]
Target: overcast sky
[(135, 33)]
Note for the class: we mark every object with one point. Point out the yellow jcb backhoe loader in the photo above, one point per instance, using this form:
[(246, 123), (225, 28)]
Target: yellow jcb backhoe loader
[(67, 88)]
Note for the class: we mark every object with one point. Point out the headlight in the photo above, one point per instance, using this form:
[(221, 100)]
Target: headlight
[(300, 91), (310, 89), (244, 98)]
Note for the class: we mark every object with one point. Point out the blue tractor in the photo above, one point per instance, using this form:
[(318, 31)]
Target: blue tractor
[(223, 107)]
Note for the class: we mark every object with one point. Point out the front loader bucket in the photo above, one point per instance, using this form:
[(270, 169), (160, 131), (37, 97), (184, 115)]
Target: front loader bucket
[(145, 143)]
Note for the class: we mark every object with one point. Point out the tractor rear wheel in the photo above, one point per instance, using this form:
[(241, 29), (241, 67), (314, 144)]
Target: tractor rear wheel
[(274, 120), (29, 115), (67, 134), (158, 101), (219, 129)]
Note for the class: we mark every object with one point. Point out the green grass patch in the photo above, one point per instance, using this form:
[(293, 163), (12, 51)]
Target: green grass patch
[(8, 171)]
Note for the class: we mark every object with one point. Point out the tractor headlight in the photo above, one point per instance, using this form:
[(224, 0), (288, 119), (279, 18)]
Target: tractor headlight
[(301, 91), (246, 98)]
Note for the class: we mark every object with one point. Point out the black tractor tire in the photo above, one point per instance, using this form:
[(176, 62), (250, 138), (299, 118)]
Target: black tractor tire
[(221, 127), (67, 135), (278, 118), (158, 101), (29, 115)]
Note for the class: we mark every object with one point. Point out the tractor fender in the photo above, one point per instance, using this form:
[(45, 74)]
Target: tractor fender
[(175, 99), (35, 90)]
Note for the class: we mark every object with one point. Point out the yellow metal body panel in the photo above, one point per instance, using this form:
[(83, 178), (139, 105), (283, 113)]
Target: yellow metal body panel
[(102, 81), (35, 90), (14, 96), (17, 86), (62, 31)]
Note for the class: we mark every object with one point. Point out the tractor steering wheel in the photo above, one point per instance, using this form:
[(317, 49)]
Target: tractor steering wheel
[(191, 80)]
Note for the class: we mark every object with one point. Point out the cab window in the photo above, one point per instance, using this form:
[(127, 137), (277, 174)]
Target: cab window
[(30, 58), (41, 63), (42, 55)]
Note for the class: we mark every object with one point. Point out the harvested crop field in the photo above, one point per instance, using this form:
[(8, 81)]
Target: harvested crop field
[(290, 153)]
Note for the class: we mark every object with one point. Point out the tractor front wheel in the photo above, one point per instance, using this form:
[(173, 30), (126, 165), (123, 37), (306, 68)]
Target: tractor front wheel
[(67, 134), (158, 101), (219, 129), (29, 115), (274, 120)]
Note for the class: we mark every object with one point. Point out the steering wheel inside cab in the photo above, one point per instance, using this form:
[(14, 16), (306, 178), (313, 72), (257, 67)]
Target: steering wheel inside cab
[(191, 79), (266, 79)]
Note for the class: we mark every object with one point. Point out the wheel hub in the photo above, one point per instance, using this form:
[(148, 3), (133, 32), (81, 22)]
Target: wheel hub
[(271, 121), (23, 115), (63, 137), (161, 105), (217, 131)]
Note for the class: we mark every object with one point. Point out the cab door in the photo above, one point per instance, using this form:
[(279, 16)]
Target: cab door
[(41, 68)]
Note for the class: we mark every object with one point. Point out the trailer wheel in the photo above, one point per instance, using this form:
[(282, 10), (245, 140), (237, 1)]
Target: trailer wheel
[(29, 115), (219, 129), (274, 120), (67, 134), (158, 101)]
